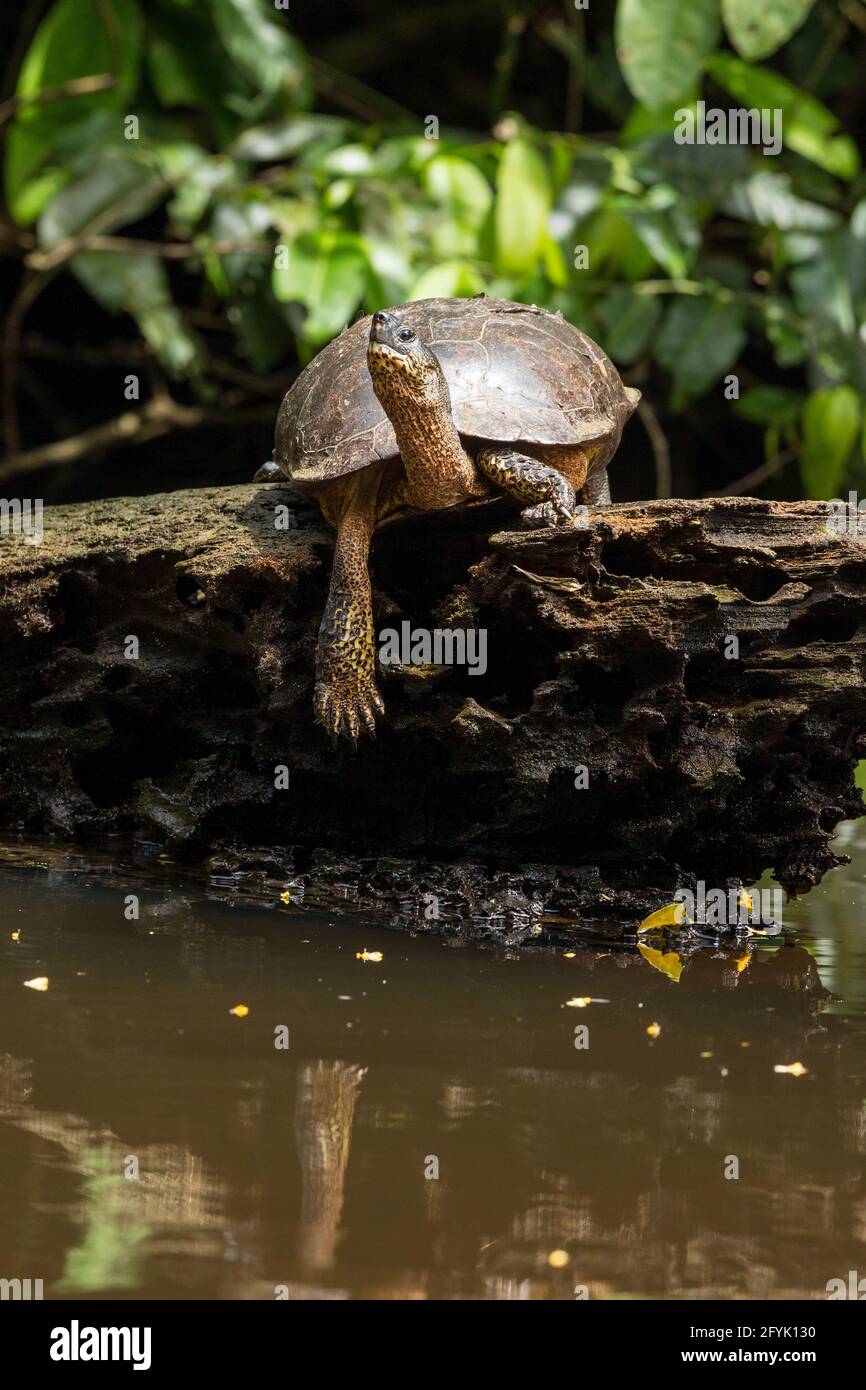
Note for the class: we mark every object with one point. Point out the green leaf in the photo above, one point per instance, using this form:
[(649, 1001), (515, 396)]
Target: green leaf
[(116, 189), (768, 200), (831, 424), (326, 272), (282, 139), (757, 30), (249, 223), (770, 405), (663, 232), (137, 284), (460, 188), (629, 321), (263, 334), (263, 49), (446, 281), (808, 127), (77, 38), (661, 45), (523, 200), (699, 340)]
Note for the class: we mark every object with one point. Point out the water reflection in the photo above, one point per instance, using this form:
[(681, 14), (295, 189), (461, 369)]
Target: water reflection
[(568, 1161)]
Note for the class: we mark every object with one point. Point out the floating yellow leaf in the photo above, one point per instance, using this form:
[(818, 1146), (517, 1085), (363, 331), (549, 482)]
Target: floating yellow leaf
[(674, 915), (558, 1259), (706, 1054), (668, 962), (16, 936), (239, 1011), (742, 962), (39, 982), (654, 1030), (284, 897), (569, 955), (790, 1069), (579, 1003), (744, 899), (374, 956)]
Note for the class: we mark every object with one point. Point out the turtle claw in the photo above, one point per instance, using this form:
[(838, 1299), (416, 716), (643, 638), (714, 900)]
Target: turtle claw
[(558, 510), (547, 514), (348, 710)]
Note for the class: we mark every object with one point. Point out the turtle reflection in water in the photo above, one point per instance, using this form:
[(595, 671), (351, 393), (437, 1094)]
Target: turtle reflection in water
[(433, 405)]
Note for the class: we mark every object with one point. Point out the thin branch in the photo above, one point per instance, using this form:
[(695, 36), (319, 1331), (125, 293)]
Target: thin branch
[(159, 416), (355, 96), (170, 250), (757, 475), (853, 10), (31, 287), (79, 87), (125, 353), (660, 447)]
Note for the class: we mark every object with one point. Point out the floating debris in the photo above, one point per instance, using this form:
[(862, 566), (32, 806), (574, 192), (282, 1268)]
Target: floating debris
[(558, 1259), (583, 1002), (374, 956), (790, 1069), (674, 915), (654, 1030), (239, 1011), (39, 982)]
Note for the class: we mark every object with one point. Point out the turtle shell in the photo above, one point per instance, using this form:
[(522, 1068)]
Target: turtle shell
[(515, 373)]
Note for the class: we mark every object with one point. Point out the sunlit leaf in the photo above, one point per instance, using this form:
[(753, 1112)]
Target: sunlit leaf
[(832, 418), (523, 200), (77, 38), (446, 281), (661, 45), (757, 30), (282, 139), (808, 127), (262, 47), (115, 190), (674, 915), (326, 272)]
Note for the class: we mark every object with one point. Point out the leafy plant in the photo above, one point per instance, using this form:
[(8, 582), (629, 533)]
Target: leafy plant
[(287, 221)]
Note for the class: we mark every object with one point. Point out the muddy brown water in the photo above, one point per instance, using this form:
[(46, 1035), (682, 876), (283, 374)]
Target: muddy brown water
[(434, 1126)]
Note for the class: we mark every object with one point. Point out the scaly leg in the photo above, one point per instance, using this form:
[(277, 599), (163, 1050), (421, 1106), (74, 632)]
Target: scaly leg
[(346, 698), (530, 481), (596, 489)]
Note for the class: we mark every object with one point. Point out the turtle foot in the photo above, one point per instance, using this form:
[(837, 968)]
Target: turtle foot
[(348, 707), (554, 513)]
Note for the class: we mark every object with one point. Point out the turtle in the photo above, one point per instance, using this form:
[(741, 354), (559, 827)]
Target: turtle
[(433, 404)]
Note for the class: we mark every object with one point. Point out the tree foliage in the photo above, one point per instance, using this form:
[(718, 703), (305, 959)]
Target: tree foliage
[(292, 219)]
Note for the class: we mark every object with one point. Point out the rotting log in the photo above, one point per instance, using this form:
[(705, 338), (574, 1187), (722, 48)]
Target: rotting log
[(608, 649)]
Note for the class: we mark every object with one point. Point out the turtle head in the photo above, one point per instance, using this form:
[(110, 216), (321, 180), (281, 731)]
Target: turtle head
[(403, 369)]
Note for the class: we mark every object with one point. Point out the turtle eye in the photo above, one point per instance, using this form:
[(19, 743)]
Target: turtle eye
[(406, 335)]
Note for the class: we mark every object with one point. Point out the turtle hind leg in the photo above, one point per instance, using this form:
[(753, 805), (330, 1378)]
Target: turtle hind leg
[(596, 489), (530, 481), (346, 697)]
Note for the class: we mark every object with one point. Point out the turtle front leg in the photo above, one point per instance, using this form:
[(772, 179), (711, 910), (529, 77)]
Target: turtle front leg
[(346, 698), (530, 481)]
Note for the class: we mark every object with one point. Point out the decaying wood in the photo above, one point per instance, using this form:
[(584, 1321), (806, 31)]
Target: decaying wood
[(608, 648)]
